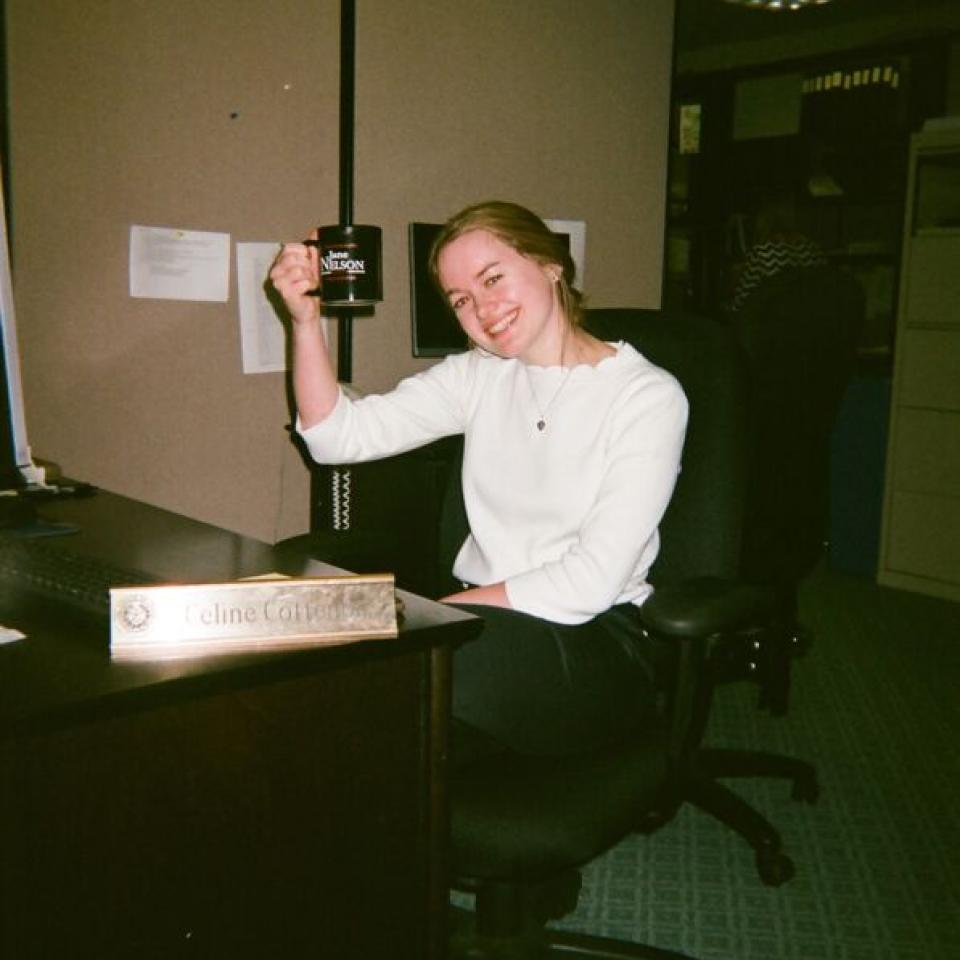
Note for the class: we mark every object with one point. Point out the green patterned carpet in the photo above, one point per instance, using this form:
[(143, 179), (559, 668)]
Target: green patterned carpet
[(875, 707)]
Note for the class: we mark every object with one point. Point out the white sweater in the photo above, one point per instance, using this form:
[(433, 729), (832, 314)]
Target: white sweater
[(566, 517)]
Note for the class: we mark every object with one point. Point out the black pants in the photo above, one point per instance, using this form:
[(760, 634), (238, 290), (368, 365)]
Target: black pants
[(550, 689)]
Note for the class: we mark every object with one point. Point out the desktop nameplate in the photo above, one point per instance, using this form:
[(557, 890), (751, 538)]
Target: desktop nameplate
[(261, 614)]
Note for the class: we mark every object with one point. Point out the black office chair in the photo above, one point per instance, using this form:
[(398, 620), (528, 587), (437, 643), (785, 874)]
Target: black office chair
[(799, 331), (522, 827)]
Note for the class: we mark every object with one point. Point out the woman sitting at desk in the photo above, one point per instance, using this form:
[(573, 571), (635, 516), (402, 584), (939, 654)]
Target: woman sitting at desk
[(571, 451)]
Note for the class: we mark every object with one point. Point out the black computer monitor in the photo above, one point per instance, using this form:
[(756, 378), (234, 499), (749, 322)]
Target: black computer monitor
[(435, 331), (19, 477), (16, 463), (433, 326)]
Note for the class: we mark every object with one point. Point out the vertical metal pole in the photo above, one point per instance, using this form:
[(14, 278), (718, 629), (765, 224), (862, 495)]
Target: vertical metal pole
[(347, 63)]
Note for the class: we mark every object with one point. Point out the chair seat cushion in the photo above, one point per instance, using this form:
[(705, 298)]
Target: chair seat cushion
[(522, 817)]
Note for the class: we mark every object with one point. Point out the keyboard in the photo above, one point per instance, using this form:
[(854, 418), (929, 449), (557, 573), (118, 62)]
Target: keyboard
[(35, 565)]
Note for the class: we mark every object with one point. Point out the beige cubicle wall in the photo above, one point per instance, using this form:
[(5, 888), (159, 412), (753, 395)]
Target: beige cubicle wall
[(222, 115)]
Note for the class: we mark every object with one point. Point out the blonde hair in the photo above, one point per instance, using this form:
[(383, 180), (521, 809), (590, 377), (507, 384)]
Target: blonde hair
[(523, 230)]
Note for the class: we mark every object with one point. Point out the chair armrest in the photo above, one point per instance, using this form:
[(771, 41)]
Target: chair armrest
[(705, 606)]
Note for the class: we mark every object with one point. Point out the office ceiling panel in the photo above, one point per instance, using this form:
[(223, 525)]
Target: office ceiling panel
[(708, 23)]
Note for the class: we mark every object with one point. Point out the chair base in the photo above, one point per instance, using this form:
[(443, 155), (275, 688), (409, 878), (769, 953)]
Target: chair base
[(465, 943), (722, 762), (703, 791)]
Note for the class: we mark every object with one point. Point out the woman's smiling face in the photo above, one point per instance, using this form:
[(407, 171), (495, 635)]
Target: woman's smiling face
[(505, 302)]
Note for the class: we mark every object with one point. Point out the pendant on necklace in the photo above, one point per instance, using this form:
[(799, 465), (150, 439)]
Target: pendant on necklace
[(541, 424)]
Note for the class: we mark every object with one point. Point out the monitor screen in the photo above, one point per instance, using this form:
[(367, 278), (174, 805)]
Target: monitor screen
[(434, 328), (16, 463)]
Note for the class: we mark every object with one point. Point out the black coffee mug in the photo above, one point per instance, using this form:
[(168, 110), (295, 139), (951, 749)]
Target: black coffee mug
[(349, 265)]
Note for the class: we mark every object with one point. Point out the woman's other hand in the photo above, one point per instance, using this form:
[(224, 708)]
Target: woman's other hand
[(494, 595)]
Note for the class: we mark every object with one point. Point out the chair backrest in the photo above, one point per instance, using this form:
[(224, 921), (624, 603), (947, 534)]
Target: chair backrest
[(799, 331), (700, 533)]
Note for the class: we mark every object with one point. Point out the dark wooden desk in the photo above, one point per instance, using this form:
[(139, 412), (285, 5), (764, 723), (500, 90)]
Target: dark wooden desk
[(278, 805)]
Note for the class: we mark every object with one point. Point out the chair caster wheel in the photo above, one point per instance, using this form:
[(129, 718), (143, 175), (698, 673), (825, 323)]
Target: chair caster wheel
[(806, 789), (775, 868)]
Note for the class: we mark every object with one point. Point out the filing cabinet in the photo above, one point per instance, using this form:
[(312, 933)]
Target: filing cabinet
[(920, 540)]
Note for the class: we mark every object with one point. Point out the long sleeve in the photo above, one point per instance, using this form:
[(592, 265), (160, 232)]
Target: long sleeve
[(422, 408)]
